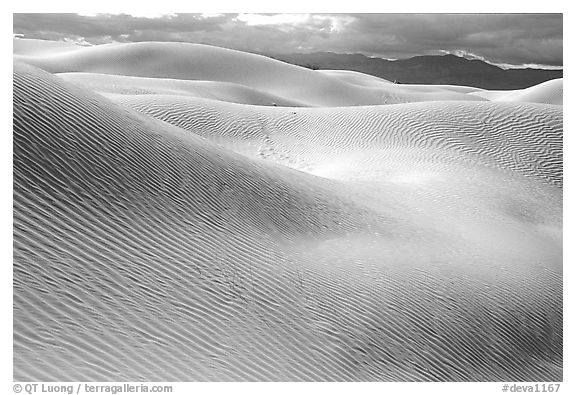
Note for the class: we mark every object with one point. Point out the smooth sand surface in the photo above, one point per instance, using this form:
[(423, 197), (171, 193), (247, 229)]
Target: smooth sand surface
[(223, 91), (165, 233), (356, 78), (549, 92), (207, 63), (35, 47)]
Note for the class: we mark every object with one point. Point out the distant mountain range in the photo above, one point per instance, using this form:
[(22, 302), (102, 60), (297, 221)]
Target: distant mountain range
[(444, 69)]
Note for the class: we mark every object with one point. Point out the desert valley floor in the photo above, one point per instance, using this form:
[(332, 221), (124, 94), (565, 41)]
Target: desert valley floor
[(184, 212)]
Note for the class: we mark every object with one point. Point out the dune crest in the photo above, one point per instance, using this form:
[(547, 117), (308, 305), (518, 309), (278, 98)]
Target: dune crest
[(34, 47), (207, 63), (549, 92)]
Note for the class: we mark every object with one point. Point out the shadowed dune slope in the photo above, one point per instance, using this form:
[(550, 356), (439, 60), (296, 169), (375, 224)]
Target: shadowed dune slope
[(207, 63), (145, 252)]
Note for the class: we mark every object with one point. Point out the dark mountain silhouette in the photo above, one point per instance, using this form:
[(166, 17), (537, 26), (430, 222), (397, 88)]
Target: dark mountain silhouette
[(445, 69)]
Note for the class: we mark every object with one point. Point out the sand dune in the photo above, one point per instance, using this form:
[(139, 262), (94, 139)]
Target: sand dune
[(549, 92), (439, 88), (370, 81), (357, 78), (162, 232), (222, 91), (526, 138), (207, 63), (32, 47)]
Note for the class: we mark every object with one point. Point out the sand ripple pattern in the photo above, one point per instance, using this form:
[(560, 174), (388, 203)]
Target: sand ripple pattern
[(144, 251), (521, 137)]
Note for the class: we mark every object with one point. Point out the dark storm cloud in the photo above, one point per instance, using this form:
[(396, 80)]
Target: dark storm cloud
[(500, 38), (516, 39)]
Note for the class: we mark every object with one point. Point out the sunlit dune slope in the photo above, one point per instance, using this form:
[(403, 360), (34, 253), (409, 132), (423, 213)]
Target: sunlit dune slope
[(144, 251), (370, 142), (549, 92), (214, 90), (33, 47), (207, 63), (366, 80), (357, 78)]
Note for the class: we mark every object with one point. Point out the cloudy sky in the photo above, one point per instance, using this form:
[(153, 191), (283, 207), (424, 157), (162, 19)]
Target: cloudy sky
[(507, 39)]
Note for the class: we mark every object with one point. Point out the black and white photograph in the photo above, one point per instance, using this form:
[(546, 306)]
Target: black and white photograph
[(287, 197)]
